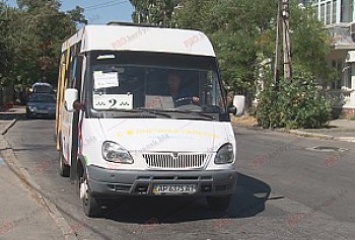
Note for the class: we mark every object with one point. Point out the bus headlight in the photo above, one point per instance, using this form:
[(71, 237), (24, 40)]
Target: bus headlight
[(225, 154), (113, 152)]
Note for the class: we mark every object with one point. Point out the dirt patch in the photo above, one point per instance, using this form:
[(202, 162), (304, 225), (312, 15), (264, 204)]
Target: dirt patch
[(246, 121)]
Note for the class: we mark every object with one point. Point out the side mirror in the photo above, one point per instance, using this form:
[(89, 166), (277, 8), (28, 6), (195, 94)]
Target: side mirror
[(232, 109), (70, 97), (239, 105)]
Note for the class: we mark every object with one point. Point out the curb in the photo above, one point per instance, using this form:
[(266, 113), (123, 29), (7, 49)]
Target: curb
[(345, 139), (8, 126), (26, 178), (320, 136), (303, 134), (310, 135)]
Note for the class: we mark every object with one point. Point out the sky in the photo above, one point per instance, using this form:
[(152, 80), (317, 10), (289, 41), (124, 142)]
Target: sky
[(98, 11)]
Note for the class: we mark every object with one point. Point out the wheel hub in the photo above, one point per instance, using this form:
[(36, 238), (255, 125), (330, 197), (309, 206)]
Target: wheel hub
[(83, 190)]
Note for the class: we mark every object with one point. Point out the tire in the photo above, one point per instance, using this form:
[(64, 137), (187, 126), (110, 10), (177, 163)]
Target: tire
[(64, 169), (220, 203), (91, 205)]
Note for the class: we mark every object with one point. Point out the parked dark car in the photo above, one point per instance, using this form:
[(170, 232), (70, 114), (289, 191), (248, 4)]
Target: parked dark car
[(41, 105), (42, 88)]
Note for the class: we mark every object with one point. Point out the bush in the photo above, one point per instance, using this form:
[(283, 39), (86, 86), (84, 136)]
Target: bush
[(296, 104)]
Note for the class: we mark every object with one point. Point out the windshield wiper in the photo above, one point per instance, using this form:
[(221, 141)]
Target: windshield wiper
[(153, 111), (199, 113)]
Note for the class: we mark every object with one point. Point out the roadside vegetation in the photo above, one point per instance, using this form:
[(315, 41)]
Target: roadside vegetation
[(296, 104)]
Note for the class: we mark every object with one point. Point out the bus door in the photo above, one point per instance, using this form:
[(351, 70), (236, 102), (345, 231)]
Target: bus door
[(70, 118)]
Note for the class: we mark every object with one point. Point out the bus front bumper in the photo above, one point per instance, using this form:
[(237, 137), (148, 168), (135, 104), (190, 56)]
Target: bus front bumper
[(111, 183)]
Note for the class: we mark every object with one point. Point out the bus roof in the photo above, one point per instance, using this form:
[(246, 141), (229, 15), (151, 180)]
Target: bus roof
[(141, 38)]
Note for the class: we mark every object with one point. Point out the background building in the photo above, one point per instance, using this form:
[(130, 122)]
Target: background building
[(338, 17)]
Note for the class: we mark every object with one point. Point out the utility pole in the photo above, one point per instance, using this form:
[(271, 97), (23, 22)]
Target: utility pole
[(138, 14), (164, 13), (277, 50), (286, 39), (139, 17)]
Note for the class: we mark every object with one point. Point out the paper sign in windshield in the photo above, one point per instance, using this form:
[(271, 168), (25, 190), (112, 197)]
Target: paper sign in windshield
[(105, 80), (160, 102), (113, 101)]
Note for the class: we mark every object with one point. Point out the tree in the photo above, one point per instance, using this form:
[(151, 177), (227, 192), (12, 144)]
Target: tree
[(35, 5), (299, 103), (240, 32), (157, 12), (310, 43), (37, 44), (6, 51), (76, 15), (243, 33)]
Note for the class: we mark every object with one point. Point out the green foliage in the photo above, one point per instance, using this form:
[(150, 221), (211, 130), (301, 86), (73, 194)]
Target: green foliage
[(76, 15), (35, 5), (6, 50), (243, 33), (196, 14), (238, 30), (33, 34), (298, 104), (156, 12), (310, 50)]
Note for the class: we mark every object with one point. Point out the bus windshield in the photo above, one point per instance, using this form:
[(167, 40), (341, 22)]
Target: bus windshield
[(150, 84)]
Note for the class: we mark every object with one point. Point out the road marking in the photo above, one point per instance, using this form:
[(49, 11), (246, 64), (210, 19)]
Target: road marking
[(2, 162)]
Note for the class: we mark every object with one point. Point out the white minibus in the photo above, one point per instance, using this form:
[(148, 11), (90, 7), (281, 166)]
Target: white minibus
[(142, 111)]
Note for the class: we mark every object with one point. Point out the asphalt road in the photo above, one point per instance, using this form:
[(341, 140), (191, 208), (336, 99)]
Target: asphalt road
[(285, 191)]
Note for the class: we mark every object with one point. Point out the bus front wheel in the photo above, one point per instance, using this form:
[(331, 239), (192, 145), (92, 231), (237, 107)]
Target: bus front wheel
[(91, 205)]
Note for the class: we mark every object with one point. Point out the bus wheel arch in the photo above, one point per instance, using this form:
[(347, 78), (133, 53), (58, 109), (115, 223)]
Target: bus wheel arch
[(80, 166), (64, 168)]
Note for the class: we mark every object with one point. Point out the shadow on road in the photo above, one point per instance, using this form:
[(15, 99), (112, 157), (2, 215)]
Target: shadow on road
[(15, 114), (248, 201)]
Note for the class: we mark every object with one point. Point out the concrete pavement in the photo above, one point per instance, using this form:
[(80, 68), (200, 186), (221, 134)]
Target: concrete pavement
[(24, 212)]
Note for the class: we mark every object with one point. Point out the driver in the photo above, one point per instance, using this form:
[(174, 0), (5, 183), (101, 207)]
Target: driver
[(181, 96)]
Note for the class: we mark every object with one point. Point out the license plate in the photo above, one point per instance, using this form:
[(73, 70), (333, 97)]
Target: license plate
[(174, 189), (42, 111)]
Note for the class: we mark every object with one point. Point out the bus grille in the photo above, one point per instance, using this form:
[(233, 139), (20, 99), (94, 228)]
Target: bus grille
[(181, 161)]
